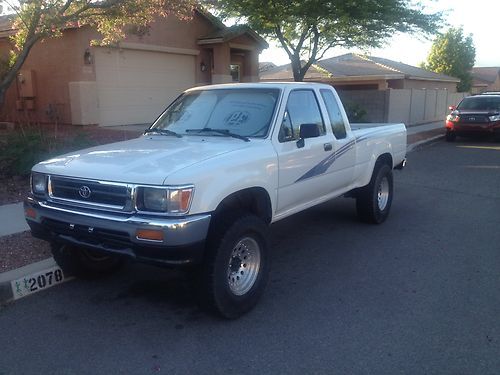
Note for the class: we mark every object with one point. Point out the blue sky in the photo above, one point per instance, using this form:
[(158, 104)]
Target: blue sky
[(478, 17)]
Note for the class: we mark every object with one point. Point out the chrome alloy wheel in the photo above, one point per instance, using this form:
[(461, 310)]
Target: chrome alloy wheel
[(383, 194), (244, 266)]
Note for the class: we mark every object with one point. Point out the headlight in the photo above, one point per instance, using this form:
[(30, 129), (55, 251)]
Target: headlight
[(38, 183), (495, 118), (168, 200)]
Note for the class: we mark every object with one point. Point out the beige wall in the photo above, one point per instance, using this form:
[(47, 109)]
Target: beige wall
[(430, 85), (55, 62), (495, 86), (409, 106), (380, 84), (58, 64), (415, 106)]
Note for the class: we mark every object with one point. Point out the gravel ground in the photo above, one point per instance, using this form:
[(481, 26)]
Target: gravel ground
[(13, 189), (21, 249)]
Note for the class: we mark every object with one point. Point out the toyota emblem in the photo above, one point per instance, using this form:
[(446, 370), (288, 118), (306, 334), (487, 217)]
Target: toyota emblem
[(85, 192)]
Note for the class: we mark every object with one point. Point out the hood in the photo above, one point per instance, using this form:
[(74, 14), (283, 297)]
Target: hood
[(146, 160), (490, 112)]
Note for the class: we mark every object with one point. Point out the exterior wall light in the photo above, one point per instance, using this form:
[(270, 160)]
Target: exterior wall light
[(87, 57), (203, 66)]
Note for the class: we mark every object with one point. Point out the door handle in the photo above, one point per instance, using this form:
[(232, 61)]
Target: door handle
[(327, 146)]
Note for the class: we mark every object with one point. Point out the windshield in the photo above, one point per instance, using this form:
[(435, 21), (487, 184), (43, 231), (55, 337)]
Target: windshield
[(481, 103), (246, 112)]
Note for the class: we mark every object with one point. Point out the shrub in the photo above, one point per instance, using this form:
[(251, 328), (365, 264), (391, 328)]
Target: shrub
[(26, 146), (354, 112)]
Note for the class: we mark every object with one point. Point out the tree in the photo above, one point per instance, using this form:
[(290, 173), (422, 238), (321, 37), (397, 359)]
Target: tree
[(35, 20), (307, 29), (453, 54)]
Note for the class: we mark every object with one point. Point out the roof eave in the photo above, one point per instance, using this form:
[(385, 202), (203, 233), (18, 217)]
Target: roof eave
[(451, 80)]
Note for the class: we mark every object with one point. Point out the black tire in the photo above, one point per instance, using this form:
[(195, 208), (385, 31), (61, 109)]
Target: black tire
[(84, 263), (450, 136), (217, 278), (370, 205)]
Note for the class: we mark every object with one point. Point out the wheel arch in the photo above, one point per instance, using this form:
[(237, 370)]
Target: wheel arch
[(255, 200), (385, 158)]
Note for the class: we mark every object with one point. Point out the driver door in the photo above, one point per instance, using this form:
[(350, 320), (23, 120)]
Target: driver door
[(301, 176)]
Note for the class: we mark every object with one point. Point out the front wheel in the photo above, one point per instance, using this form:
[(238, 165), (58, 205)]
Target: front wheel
[(234, 273), (373, 202), (450, 136), (84, 263)]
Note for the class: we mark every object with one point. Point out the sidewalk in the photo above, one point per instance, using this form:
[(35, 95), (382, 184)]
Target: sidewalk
[(12, 215)]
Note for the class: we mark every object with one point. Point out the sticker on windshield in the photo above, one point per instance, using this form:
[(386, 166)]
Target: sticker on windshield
[(237, 118)]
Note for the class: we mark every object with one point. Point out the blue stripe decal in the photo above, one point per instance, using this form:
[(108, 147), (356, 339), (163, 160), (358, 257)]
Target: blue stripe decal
[(326, 163)]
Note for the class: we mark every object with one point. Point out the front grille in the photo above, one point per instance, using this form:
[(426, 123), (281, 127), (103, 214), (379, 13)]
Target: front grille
[(480, 119), (89, 192), (91, 236)]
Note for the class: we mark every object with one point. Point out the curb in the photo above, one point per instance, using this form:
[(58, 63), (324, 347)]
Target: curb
[(413, 146), (20, 278)]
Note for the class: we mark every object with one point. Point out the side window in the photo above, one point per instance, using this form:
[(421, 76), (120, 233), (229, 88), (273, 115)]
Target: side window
[(337, 122), (301, 108)]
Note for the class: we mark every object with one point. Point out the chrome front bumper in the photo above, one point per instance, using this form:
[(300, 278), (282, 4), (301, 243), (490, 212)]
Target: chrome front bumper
[(183, 237)]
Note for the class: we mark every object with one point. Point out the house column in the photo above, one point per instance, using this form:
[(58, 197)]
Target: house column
[(222, 60), (251, 66)]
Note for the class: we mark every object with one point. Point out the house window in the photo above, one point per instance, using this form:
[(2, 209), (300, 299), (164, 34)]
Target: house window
[(235, 72)]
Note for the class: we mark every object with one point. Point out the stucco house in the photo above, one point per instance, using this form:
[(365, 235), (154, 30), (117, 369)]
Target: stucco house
[(358, 72), (485, 79), (69, 80)]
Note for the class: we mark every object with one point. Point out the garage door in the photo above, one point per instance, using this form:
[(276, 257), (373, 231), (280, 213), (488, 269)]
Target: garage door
[(134, 87)]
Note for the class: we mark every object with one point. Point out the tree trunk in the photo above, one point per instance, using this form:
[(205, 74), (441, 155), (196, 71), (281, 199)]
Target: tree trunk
[(298, 75)]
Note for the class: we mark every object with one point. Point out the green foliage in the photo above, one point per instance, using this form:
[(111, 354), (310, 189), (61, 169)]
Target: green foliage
[(453, 54), (22, 149), (306, 29), (47, 18), (355, 113)]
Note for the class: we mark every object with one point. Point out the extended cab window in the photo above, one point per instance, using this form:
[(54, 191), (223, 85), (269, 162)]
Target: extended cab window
[(301, 108), (336, 119)]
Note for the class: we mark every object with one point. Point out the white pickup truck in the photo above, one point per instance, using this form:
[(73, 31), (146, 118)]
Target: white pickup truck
[(202, 185)]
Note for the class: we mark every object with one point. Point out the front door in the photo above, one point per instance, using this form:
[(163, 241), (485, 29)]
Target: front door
[(301, 176)]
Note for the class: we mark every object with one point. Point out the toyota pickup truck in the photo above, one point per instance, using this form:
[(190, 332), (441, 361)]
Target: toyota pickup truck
[(200, 188)]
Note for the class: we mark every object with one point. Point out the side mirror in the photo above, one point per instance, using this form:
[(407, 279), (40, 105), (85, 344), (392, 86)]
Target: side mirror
[(307, 131), (452, 107)]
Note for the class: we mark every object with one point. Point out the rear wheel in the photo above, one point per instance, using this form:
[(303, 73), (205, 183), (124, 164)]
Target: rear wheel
[(373, 202), (234, 273), (84, 263)]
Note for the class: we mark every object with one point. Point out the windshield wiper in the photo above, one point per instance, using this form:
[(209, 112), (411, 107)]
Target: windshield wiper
[(225, 132), (163, 132)]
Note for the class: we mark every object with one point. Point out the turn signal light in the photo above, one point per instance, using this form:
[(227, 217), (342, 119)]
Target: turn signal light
[(149, 235)]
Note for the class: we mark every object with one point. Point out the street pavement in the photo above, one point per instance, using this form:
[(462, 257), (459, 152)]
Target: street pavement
[(418, 294)]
